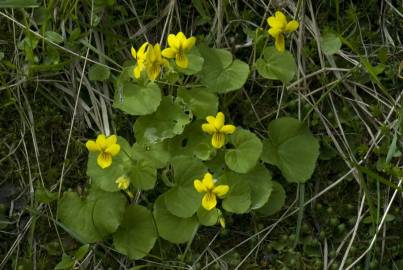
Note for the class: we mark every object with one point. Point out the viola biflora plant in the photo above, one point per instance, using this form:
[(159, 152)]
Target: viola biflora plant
[(190, 164)]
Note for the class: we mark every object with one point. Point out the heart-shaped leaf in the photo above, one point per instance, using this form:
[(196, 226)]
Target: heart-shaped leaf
[(137, 99), (246, 152), (137, 234), (276, 66)]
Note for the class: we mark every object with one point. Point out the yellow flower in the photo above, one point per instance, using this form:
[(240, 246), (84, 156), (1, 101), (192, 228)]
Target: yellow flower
[(140, 56), (107, 147), (279, 26), (154, 61), (179, 46), (216, 127), (123, 182), (211, 191)]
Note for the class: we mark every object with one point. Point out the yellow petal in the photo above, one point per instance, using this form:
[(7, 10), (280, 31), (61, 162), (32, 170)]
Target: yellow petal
[(221, 190), (153, 71), (274, 32), (101, 141), (142, 50), (173, 42), (181, 38), (104, 160), (208, 181), (222, 222), (199, 186), (189, 43), (279, 43), (210, 119), (209, 128), (169, 53), (218, 140), (182, 60), (219, 120), (228, 129), (292, 26), (137, 71), (123, 182), (281, 18), (111, 140), (92, 146), (209, 201), (113, 150), (133, 51), (274, 22)]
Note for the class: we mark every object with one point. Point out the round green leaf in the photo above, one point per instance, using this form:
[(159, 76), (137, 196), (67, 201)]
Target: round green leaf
[(76, 215), (246, 152), (105, 178), (208, 218), (276, 66), (200, 101), (195, 62), (292, 148), (94, 217), (143, 175), (172, 228), (183, 200), (169, 120), (158, 154), (275, 202), (137, 99), (238, 199), (193, 142), (137, 234), (98, 73), (220, 74), (108, 210), (330, 43), (260, 184)]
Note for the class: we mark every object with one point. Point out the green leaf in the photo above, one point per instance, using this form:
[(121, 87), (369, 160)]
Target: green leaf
[(220, 74), (53, 36), (172, 228), (137, 99), (238, 199), (42, 195), (108, 210), (260, 184), (195, 62), (94, 217), (137, 234), (208, 218), (98, 73), (276, 66), (202, 102), (19, 4), (81, 252), (275, 202), (292, 148), (66, 263), (169, 120), (105, 178), (143, 175), (158, 155), (330, 43), (183, 200), (193, 142), (246, 152)]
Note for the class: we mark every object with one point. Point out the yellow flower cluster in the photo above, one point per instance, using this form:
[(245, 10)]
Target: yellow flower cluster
[(150, 57)]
